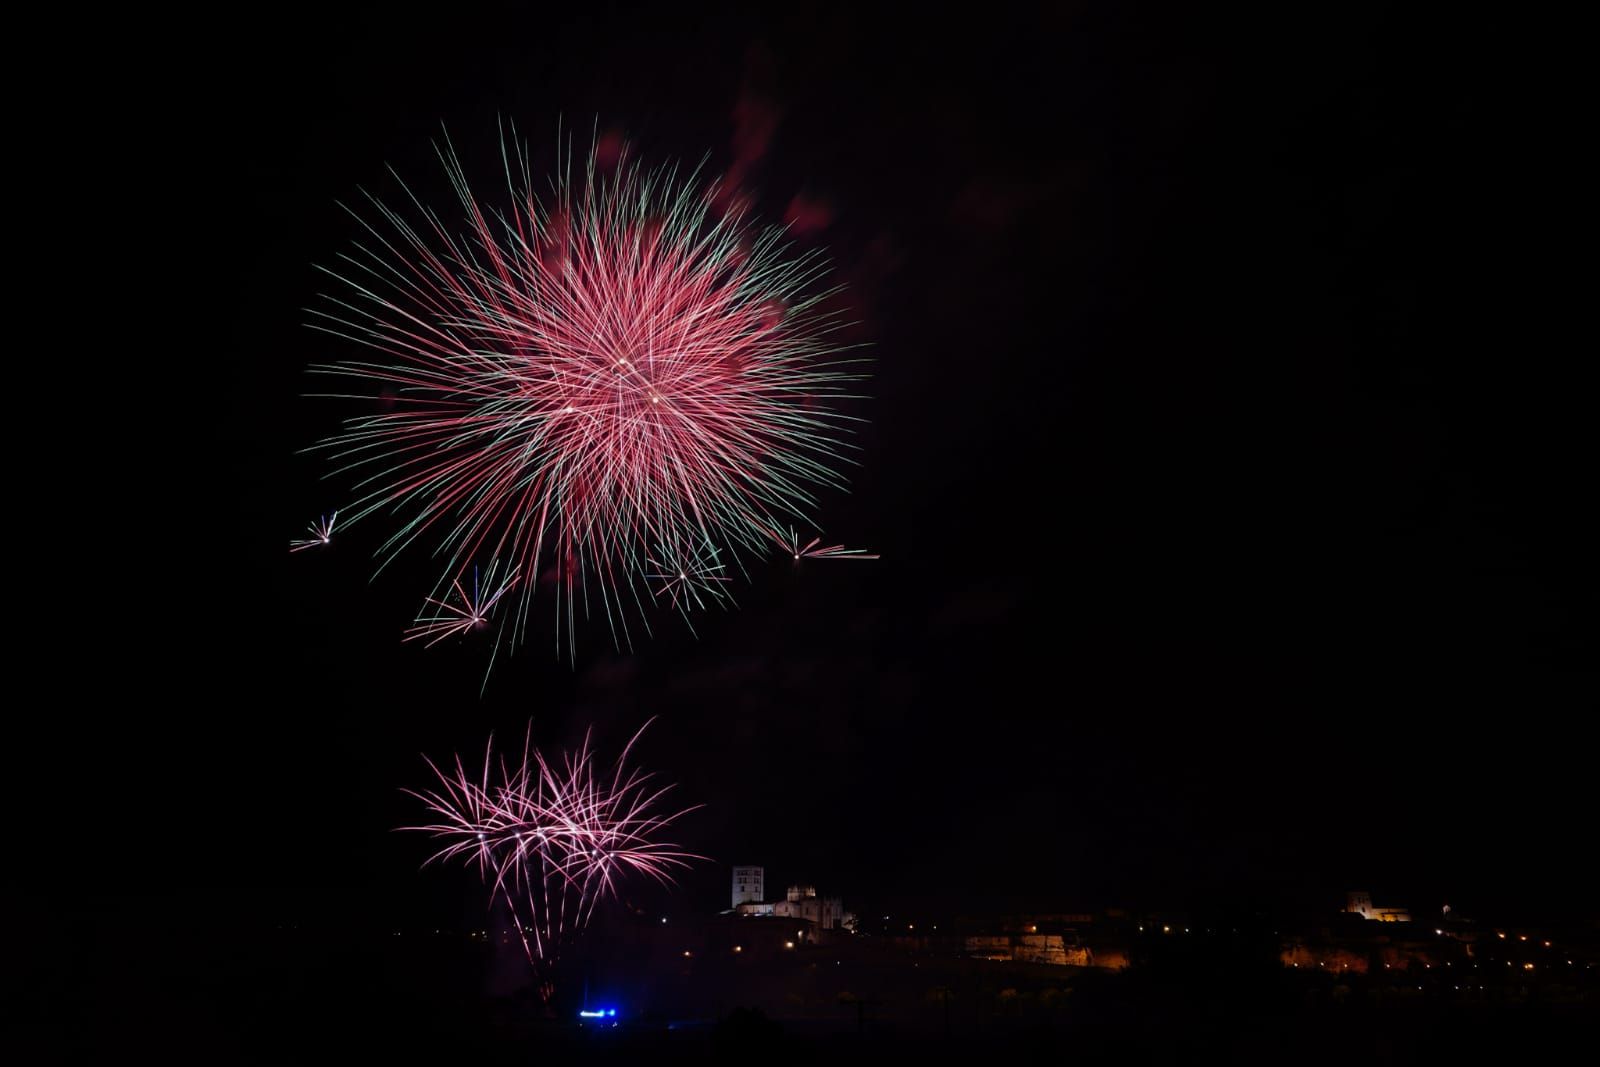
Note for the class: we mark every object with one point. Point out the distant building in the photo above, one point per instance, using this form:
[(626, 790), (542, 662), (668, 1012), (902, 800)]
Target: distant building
[(1028, 948), (749, 885), (1359, 902), (800, 902)]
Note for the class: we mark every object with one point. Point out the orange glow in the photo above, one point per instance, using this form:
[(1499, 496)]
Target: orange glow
[(1500, 935), (738, 948), (687, 953), (788, 944)]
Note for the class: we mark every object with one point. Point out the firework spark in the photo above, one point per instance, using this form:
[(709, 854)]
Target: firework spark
[(321, 533), (815, 549), (569, 383), (472, 614), (552, 838), (690, 578)]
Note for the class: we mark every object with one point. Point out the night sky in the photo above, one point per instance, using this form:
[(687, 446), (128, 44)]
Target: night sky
[(1224, 472)]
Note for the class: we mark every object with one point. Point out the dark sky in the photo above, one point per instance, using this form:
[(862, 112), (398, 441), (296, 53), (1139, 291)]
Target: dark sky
[(1227, 485)]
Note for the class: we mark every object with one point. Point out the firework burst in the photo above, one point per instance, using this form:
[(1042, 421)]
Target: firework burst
[(472, 613), (571, 383), (552, 838), (321, 533), (815, 549), (691, 578)]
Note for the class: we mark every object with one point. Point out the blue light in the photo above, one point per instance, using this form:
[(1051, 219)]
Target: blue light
[(611, 1011), (592, 1014), (599, 1013)]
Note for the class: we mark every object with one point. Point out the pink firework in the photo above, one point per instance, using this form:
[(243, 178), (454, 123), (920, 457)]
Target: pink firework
[(572, 382), (552, 839)]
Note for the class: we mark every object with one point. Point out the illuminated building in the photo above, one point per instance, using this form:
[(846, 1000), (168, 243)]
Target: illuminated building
[(1029, 948), (749, 885), (800, 902), (1359, 902)]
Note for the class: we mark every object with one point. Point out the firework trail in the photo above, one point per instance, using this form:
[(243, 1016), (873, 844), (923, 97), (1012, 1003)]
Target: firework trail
[(473, 613), (552, 838), (321, 533), (572, 381)]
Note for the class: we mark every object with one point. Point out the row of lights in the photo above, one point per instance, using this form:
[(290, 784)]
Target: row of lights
[(687, 954), (1429, 966)]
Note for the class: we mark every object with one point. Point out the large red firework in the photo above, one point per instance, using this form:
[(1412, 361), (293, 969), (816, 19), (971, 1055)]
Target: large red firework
[(552, 838), (572, 383)]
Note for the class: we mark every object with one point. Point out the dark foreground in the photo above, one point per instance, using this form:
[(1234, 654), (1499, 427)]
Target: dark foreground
[(295, 996)]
